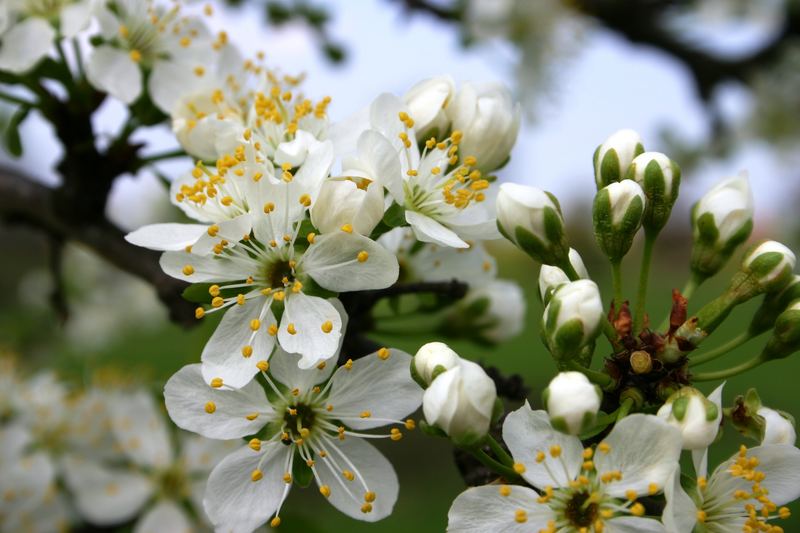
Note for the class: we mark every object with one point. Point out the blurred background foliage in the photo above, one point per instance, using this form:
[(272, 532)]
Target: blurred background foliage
[(75, 313)]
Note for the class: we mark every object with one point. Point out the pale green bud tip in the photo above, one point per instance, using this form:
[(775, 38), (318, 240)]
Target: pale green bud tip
[(531, 219), (771, 264), (614, 156), (617, 215), (659, 178), (785, 338), (696, 416), (572, 402), (572, 318), (551, 277), (432, 359)]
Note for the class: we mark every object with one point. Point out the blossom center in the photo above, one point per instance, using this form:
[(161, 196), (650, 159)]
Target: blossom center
[(580, 510)]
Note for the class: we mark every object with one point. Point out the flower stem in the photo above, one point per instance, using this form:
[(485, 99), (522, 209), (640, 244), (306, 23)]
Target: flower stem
[(604, 380), (15, 99), (624, 409), (499, 451), (172, 154), (728, 372), (616, 271), (488, 462), (692, 283), (721, 350), (76, 48), (644, 277)]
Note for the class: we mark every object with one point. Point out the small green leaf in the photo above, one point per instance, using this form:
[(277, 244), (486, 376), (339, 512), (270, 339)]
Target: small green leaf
[(12, 139)]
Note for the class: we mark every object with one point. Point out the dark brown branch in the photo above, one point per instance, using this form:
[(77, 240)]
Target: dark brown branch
[(24, 201), (449, 14)]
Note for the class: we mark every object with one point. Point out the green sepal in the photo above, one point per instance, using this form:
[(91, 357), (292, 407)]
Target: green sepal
[(679, 407), (302, 475), (568, 339), (477, 307), (609, 169), (559, 424), (437, 370), (433, 431), (415, 375), (12, 138), (395, 216)]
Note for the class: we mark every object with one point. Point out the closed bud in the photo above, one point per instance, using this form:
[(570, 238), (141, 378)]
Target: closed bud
[(778, 427), (531, 219), (614, 156), (490, 313), (460, 402), (552, 277), (785, 338), (427, 103), (431, 360), (721, 221), (572, 402), (572, 318), (617, 215), (660, 179), (768, 266), (696, 416), (343, 201), (489, 119), (773, 305)]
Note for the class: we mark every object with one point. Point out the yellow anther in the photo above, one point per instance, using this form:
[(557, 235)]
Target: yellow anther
[(519, 468), (784, 512), (470, 161), (305, 432), (226, 200), (588, 453), (240, 299), (540, 456), (369, 496), (279, 296), (251, 416), (213, 230), (297, 286), (287, 477), (362, 256), (199, 71), (329, 408), (365, 414), (505, 490), (384, 353), (214, 290), (272, 329), (327, 326), (247, 351), (325, 490), (310, 237), (456, 136), (269, 207), (521, 516), (555, 450), (410, 424), (366, 508), (263, 366), (702, 482), (305, 200), (347, 228), (637, 509), (702, 516), (603, 447), (199, 313), (256, 475), (123, 31), (348, 475), (348, 365), (631, 494), (275, 522), (197, 172), (255, 324), (135, 56), (210, 407), (255, 445), (395, 434), (291, 329), (652, 489), (188, 270), (216, 383)]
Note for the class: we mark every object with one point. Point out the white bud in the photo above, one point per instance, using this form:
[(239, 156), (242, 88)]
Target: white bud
[(696, 416), (572, 318), (489, 119), (660, 179), (433, 356), (572, 402), (617, 215), (771, 263), (552, 277), (207, 138), (493, 312), (342, 201), (524, 215), (614, 156), (778, 429), (721, 221), (460, 402), (427, 103)]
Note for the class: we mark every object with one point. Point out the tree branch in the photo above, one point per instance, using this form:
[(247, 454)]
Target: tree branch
[(449, 14), (25, 201)]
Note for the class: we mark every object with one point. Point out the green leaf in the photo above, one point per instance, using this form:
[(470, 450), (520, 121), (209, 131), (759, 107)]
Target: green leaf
[(12, 138)]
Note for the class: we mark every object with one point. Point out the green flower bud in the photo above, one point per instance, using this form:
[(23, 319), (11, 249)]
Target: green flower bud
[(721, 221), (531, 219), (552, 277), (572, 318), (773, 305), (614, 156), (660, 179), (768, 267), (617, 214), (696, 416), (761, 423), (785, 338)]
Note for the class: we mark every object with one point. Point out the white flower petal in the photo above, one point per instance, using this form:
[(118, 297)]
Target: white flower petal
[(384, 117), (483, 509), (204, 268), (779, 462), (645, 449), (26, 483), (284, 368), (379, 160), (25, 44), (141, 430), (427, 229), (308, 316), (187, 397), (234, 502), (633, 524), (382, 386), (224, 354), (166, 236), (106, 496), (316, 166), (527, 432), (374, 473), (333, 262), (75, 18), (164, 516), (113, 71), (232, 230), (680, 512)]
